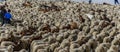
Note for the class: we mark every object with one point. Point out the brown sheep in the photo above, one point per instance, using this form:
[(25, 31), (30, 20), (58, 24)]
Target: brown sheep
[(27, 4), (46, 27), (28, 31), (73, 25)]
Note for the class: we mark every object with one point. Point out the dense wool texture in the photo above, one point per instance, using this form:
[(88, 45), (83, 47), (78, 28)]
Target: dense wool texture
[(61, 26)]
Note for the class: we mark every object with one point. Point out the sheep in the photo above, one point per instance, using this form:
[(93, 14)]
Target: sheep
[(44, 8), (66, 35), (25, 41), (114, 48), (23, 50), (81, 19), (102, 47), (37, 47), (54, 29), (80, 39), (3, 49), (66, 48), (10, 48), (72, 37), (51, 39), (73, 25), (103, 24), (27, 4), (46, 27), (35, 37), (59, 38), (37, 44), (65, 43), (4, 37), (7, 43), (28, 31), (41, 50), (75, 31), (74, 45), (53, 46), (80, 49), (86, 29), (107, 39), (101, 36), (113, 33), (87, 47), (76, 50), (92, 43), (116, 41), (62, 27), (57, 49), (62, 50)]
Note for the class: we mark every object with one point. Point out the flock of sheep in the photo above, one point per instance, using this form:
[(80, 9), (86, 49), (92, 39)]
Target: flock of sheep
[(62, 26)]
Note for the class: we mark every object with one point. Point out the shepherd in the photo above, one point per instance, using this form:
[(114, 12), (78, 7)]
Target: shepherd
[(2, 14), (8, 17), (90, 1), (116, 2)]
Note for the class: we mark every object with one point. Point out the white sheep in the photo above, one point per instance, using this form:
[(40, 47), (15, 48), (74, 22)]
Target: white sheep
[(102, 47), (65, 43), (53, 46), (7, 43), (114, 48)]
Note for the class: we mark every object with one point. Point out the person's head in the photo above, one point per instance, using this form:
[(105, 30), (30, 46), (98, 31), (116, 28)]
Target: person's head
[(9, 10)]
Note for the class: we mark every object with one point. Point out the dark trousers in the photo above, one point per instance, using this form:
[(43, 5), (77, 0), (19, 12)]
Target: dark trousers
[(3, 21), (90, 1), (116, 2), (6, 21)]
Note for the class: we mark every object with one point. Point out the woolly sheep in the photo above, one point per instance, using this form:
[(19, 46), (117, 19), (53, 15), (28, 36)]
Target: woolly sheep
[(113, 48), (41, 50), (23, 50), (74, 45), (57, 49), (7, 43), (65, 43), (107, 39), (53, 46), (102, 47)]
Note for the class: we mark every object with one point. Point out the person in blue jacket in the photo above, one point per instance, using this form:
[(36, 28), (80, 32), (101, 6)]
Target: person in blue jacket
[(116, 2), (8, 17)]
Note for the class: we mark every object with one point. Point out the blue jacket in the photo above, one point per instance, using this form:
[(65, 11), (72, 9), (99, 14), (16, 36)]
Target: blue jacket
[(8, 15)]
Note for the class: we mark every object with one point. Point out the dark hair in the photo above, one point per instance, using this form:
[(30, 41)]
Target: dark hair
[(9, 10)]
